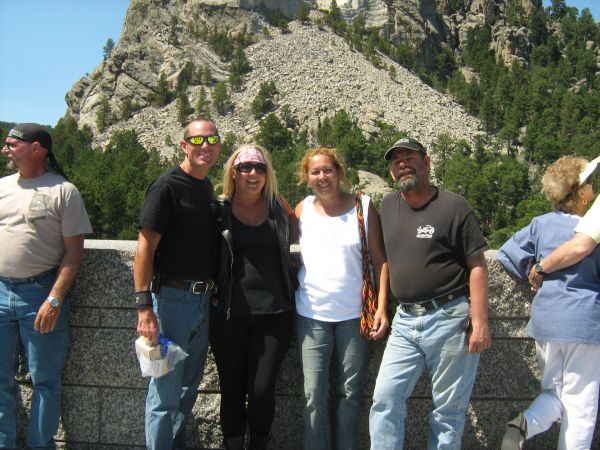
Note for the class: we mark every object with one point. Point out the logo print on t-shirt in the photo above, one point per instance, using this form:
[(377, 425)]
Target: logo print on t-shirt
[(38, 208), (425, 232)]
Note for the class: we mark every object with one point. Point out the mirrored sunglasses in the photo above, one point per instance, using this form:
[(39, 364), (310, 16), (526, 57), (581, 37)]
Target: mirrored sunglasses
[(246, 167), (199, 140)]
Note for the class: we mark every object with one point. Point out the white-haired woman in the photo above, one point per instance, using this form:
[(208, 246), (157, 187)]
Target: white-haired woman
[(252, 319), (565, 314)]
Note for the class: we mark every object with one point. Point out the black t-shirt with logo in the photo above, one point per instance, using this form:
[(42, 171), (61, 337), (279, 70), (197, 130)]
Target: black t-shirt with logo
[(178, 206), (427, 247)]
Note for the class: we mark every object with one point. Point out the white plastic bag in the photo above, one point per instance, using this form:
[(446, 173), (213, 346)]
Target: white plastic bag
[(158, 360)]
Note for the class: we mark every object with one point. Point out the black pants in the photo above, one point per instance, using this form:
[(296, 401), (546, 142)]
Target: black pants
[(249, 351)]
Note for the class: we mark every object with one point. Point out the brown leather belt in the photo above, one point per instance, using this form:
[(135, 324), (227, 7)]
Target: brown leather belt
[(436, 302)]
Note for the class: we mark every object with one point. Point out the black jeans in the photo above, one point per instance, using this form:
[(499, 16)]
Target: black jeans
[(249, 350)]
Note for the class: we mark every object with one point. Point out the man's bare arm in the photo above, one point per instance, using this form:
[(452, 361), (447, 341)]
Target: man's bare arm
[(143, 269), (47, 316), (480, 338)]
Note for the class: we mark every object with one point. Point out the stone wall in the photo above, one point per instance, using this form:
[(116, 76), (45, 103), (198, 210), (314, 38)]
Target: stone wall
[(103, 395)]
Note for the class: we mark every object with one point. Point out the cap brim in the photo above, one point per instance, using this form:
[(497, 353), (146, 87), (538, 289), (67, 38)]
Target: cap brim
[(589, 169)]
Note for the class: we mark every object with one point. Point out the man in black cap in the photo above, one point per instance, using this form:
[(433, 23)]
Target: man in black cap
[(42, 226), (438, 274), (175, 254)]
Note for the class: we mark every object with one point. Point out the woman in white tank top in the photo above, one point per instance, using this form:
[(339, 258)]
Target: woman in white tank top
[(328, 300)]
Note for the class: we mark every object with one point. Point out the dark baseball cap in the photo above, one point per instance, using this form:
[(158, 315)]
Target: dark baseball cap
[(407, 143), (32, 132)]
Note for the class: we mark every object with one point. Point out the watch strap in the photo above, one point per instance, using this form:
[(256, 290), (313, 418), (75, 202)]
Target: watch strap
[(539, 269)]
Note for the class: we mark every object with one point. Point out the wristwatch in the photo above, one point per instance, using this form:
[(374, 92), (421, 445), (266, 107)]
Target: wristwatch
[(538, 269), (54, 301), (143, 299)]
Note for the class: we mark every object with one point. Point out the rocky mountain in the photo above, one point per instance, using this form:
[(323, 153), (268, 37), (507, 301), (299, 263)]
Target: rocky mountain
[(315, 71)]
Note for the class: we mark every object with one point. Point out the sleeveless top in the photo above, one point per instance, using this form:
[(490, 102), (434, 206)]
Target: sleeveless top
[(330, 280)]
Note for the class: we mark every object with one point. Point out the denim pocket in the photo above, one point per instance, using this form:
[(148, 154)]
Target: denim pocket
[(459, 309), (171, 295)]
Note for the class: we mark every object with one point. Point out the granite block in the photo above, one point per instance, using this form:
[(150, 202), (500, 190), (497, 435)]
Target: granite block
[(103, 357), (80, 419), (84, 316), (210, 379), (289, 381), (105, 278), (287, 426), (508, 328), (202, 428), (119, 317), (508, 370), (122, 416)]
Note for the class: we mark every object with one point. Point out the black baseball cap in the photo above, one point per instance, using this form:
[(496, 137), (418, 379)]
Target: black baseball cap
[(32, 132), (407, 143)]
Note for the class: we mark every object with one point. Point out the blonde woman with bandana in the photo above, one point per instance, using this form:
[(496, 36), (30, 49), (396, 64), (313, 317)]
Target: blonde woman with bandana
[(252, 318)]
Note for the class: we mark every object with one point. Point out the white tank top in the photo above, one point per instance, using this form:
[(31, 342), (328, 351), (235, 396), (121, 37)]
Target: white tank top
[(331, 276)]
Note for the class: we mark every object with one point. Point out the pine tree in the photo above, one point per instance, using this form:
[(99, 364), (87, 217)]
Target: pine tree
[(221, 98), (202, 103), (108, 48), (162, 95), (103, 115), (183, 107)]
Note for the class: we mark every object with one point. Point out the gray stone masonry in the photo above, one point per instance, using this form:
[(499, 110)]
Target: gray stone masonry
[(104, 394)]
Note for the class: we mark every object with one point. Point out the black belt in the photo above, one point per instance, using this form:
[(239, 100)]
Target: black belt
[(436, 302), (195, 287)]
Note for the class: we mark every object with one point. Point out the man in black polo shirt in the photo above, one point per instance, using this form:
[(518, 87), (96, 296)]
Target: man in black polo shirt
[(175, 247), (434, 248)]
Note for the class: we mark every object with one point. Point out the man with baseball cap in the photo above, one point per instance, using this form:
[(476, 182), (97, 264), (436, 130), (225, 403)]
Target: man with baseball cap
[(42, 226), (173, 277), (438, 274)]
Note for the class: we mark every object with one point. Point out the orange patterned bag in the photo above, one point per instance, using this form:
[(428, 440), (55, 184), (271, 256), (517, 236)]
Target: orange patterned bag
[(369, 293)]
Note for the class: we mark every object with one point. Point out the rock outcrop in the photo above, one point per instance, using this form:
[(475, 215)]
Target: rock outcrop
[(314, 70)]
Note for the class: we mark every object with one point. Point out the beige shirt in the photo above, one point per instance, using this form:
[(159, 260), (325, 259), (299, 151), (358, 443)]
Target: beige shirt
[(35, 215), (590, 223)]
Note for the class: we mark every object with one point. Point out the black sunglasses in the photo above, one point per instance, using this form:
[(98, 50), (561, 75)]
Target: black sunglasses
[(246, 167), (199, 140)]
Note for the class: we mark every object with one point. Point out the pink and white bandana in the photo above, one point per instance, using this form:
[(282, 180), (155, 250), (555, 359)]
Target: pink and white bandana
[(250, 154)]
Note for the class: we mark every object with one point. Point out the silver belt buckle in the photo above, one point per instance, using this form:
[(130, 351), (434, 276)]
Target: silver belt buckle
[(414, 308), (200, 287)]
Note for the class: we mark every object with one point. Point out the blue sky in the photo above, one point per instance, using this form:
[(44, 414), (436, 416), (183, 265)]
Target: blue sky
[(47, 45)]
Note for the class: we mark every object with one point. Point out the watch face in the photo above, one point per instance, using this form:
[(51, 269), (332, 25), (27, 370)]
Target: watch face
[(54, 302)]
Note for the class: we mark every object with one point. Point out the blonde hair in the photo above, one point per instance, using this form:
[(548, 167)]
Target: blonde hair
[(561, 182), (332, 155), (270, 192)]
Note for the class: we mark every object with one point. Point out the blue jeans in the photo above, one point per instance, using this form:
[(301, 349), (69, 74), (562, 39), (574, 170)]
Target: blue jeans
[(317, 341), (436, 340), (183, 318), (46, 353)]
